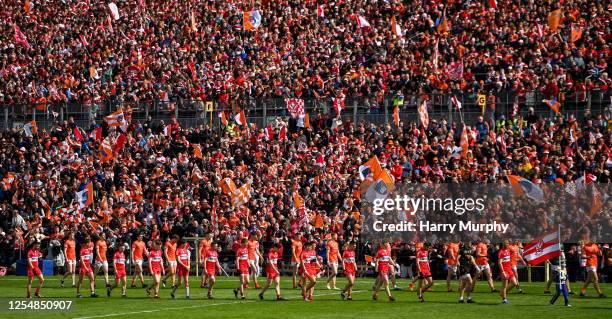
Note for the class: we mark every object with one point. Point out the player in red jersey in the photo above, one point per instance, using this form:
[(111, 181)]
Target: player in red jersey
[(272, 272), (309, 264), (183, 259), (156, 267), (242, 263), (383, 264), (85, 269), (170, 256), (507, 274), (212, 267), (33, 270), (423, 270), (120, 273), (348, 264)]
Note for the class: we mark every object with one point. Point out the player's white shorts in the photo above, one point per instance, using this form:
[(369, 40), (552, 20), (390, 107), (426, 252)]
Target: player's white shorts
[(138, 262), (334, 265), (71, 262), (483, 267), (102, 264), (452, 268), (172, 264), (514, 268), (592, 269), (466, 276), (252, 263)]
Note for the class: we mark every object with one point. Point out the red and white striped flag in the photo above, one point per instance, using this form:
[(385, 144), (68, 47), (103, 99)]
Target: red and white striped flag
[(338, 103), (456, 103), (543, 248), (362, 22), (269, 132), (320, 11)]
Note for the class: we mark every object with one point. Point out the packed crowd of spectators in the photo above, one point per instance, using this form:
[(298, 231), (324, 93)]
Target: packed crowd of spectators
[(73, 51)]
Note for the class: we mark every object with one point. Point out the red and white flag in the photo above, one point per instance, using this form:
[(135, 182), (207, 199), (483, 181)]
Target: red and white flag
[(114, 10), (423, 115), (20, 38), (456, 103), (454, 70), (269, 132), (493, 4), (295, 106), (240, 118), (543, 248), (338, 104), (320, 11), (362, 22), (395, 28)]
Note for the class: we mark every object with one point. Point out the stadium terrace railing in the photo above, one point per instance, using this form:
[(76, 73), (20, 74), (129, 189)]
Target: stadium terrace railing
[(367, 109)]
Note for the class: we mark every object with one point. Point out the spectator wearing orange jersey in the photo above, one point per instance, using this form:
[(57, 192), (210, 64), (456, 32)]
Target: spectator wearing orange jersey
[(70, 253), (101, 260), (591, 253), (452, 255), (139, 251)]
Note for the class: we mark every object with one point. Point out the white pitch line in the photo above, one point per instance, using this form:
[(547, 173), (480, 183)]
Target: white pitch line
[(163, 309)]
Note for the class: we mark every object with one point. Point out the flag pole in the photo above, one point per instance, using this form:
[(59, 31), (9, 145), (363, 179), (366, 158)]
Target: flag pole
[(560, 251)]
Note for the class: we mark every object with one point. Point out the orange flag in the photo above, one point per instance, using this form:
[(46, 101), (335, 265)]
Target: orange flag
[(197, 151), (554, 18), (554, 105), (464, 143), (223, 118), (227, 185), (306, 121), (576, 33), (318, 221), (396, 118)]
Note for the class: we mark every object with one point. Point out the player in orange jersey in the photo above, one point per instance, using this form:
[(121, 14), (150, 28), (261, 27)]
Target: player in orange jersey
[(34, 255), (138, 252), (296, 253), (591, 253), (254, 258), (70, 254), (482, 261), (515, 258), (101, 261), (452, 254), (170, 256), (333, 255)]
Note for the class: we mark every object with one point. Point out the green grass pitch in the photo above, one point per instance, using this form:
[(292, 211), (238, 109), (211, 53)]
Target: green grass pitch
[(327, 303)]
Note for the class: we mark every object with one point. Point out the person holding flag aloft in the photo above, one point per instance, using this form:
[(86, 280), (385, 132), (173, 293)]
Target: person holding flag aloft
[(561, 279)]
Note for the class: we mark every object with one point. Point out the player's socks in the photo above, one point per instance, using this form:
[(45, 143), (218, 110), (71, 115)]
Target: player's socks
[(187, 292), (261, 296)]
